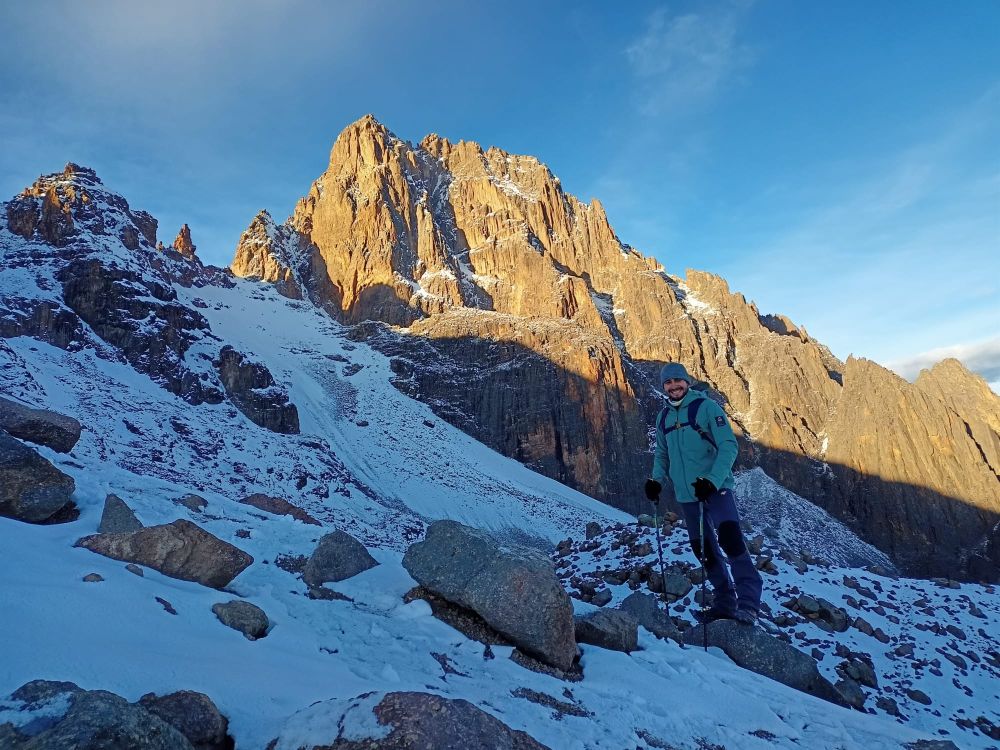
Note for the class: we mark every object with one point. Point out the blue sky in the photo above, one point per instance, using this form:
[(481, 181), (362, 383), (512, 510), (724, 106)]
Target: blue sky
[(836, 162)]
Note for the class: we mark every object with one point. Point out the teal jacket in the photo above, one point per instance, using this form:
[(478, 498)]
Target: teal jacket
[(682, 455)]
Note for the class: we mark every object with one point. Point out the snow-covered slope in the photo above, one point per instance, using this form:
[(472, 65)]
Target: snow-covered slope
[(379, 465), (938, 637)]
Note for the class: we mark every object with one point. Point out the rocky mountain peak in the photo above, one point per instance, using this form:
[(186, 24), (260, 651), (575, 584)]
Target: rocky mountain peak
[(183, 243), (80, 174), (273, 253), (436, 146), (73, 206)]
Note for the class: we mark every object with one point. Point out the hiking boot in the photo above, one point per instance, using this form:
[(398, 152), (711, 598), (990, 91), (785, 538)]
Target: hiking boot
[(712, 614), (746, 615)]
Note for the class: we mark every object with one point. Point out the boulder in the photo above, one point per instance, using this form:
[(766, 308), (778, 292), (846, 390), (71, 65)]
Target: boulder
[(179, 550), (644, 609), (753, 649), (40, 426), (193, 502), (676, 584), (514, 589), (117, 517), (279, 507), (194, 715), (593, 529), (608, 628), (851, 692), (337, 557), (44, 715), (31, 488), (400, 721), (601, 598), (245, 617)]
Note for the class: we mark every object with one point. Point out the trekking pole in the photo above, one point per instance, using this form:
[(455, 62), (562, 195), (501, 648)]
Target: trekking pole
[(702, 556), (659, 551)]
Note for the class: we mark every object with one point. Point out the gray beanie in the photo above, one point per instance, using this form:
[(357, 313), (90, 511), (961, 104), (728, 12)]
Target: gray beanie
[(674, 371)]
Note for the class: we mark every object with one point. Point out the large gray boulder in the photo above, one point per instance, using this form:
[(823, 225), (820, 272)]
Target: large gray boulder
[(44, 715), (753, 649), (31, 488), (39, 426), (194, 715), (644, 609), (401, 721), (117, 517), (514, 589), (608, 628), (179, 550), (337, 557)]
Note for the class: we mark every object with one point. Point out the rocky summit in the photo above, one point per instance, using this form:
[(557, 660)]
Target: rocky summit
[(515, 311)]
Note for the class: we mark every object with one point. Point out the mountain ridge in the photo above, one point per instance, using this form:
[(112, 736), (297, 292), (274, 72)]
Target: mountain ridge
[(406, 235)]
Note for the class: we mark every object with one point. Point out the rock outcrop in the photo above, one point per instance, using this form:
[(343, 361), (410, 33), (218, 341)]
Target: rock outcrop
[(56, 715), (31, 488), (251, 387), (39, 426), (911, 472), (764, 654), (279, 506), (276, 254), (179, 550), (514, 589), (183, 243), (612, 629), (403, 721), (194, 715)]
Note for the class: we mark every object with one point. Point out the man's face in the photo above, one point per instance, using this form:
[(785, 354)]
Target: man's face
[(675, 388)]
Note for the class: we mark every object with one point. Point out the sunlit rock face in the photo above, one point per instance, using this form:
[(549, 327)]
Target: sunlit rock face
[(519, 315)]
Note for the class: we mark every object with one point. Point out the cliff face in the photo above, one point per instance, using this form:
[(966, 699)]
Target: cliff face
[(522, 317)]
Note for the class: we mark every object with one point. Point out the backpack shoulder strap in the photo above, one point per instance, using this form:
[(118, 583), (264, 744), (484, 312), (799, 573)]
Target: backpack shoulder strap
[(661, 422), (692, 419)]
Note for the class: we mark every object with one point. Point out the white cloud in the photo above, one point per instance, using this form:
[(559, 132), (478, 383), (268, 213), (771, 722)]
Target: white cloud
[(684, 60)]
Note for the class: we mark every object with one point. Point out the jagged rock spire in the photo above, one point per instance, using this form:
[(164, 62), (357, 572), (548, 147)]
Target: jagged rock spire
[(183, 243)]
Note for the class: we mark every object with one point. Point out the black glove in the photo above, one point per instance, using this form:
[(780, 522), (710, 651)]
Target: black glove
[(703, 489), (653, 490)]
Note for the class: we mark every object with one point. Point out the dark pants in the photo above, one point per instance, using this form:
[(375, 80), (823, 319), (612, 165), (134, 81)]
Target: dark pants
[(724, 535)]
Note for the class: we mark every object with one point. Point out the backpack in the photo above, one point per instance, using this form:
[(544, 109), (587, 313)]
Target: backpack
[(692, 414)]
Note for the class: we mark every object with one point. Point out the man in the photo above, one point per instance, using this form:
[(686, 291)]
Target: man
[(696, 449)]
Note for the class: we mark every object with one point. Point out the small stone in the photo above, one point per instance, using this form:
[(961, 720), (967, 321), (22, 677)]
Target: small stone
[(919, 696), (133, 568), (956, 631), (888, 705), (93, 578), (863, 625)]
